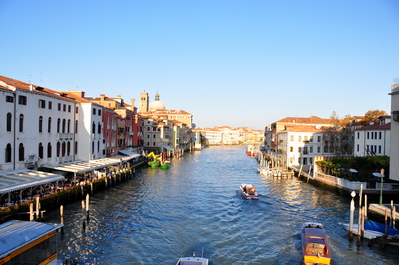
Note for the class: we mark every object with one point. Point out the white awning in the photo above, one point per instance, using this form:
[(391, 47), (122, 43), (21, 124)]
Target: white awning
[(128, 153), (87, 166), (18, 180)]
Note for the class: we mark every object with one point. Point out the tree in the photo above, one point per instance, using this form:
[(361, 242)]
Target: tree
[(373, 116)]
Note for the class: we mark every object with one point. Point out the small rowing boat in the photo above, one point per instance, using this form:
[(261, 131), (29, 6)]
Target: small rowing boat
[(315, 246)]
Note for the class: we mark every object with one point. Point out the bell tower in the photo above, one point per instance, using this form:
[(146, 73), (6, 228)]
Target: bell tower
[(144, 102)]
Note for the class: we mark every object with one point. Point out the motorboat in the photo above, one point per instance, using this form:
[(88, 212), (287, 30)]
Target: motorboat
[(249, 192), (315, 246), (192, 260)]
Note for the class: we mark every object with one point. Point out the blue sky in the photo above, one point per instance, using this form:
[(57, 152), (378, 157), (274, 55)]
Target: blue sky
[(235, 63)]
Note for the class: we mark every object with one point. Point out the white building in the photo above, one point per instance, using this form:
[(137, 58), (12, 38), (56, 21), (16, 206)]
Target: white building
[(394, 158), (374, 139), (301, 143), (37, 126)]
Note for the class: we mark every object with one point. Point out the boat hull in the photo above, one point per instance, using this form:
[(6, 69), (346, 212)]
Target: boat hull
[(248, 193), (192, 261), (315, 246)]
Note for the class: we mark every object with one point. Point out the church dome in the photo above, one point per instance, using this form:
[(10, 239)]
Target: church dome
[(156, 104)]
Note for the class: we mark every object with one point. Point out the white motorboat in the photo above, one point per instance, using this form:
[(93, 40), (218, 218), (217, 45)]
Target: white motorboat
[(249, 192), (369, 234), (193, 260)]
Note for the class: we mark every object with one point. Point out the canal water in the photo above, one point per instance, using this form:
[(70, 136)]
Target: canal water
[(161, 215)]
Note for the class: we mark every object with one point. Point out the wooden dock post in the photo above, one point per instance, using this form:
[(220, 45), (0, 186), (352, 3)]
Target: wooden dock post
[(360, 215), (62, 218), (31, 215), (386, 223), (352, 212), (37, 207), (300, 171), (87, 205)]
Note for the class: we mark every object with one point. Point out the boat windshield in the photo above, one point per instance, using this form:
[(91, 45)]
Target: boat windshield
[(190, 262)]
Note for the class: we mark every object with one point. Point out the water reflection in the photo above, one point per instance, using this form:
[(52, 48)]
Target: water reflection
[(160, 216)]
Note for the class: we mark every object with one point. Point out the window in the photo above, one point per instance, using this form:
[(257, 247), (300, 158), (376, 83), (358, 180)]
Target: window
[(50, 105), (292, 138), (58, 125), (21, 123), (58, 149), (358, 135), (63, 107), (63, 149), (299, 138), (49, 125), (76, 148), (40, 125), (99, 128), (59, 106), (92, 147), (380, 135), (310, 149), (9, 121), (148, 136), (76, 126), (41, 150), (68, 148), (94, 111), (379, 149), (8, 153), (42, 104), (319, 139), (306, 138), (368, 135), (69, 108), (63, 125), (9, 99), (99, 112), (93, 128), (49, 150), (291, 149), (77, 110), (319, 149), (22, 100), (154, 136), (68, 126), (357, 148), (21, 152)]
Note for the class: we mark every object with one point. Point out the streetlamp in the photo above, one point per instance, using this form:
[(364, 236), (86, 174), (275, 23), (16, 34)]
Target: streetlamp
[(380, 175)]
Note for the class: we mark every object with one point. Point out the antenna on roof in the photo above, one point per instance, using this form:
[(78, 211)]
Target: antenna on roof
[(40, 78)]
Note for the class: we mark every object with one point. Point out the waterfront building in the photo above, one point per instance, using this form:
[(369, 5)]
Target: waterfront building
[(394, 156), (37, 126), (110, 131), (299, 144), (272, 130), (157, 134), (374, 139), (89, 142)]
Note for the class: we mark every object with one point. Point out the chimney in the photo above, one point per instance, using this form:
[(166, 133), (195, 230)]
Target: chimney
[(102, 96), (132, 100)]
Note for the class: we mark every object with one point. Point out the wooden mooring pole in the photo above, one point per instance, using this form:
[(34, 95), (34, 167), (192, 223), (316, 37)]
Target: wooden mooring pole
[(352, 213), (360, 215), (62, 218)]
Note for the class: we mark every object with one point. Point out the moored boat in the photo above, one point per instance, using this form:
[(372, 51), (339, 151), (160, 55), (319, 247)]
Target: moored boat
[(24, 242), (373, 229), (315, 246), (249, 192)]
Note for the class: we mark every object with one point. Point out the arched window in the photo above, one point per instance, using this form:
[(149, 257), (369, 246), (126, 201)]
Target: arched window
[(41, 150), (9, 121), (76, 126), (92, 147), (21, 152), (93, 130), (21, 123), (49, 125), (69, 126), (63, 147), (76, 148), (98, 147), (58, 125), (58, 149), (49, 150), (8, 153), (40, 124), (99, 128), (68, 148), (63, 125)]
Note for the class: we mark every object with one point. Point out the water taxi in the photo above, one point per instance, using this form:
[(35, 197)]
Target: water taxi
[(249, 192), (192, 260), (315, 246), (24, 242)]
